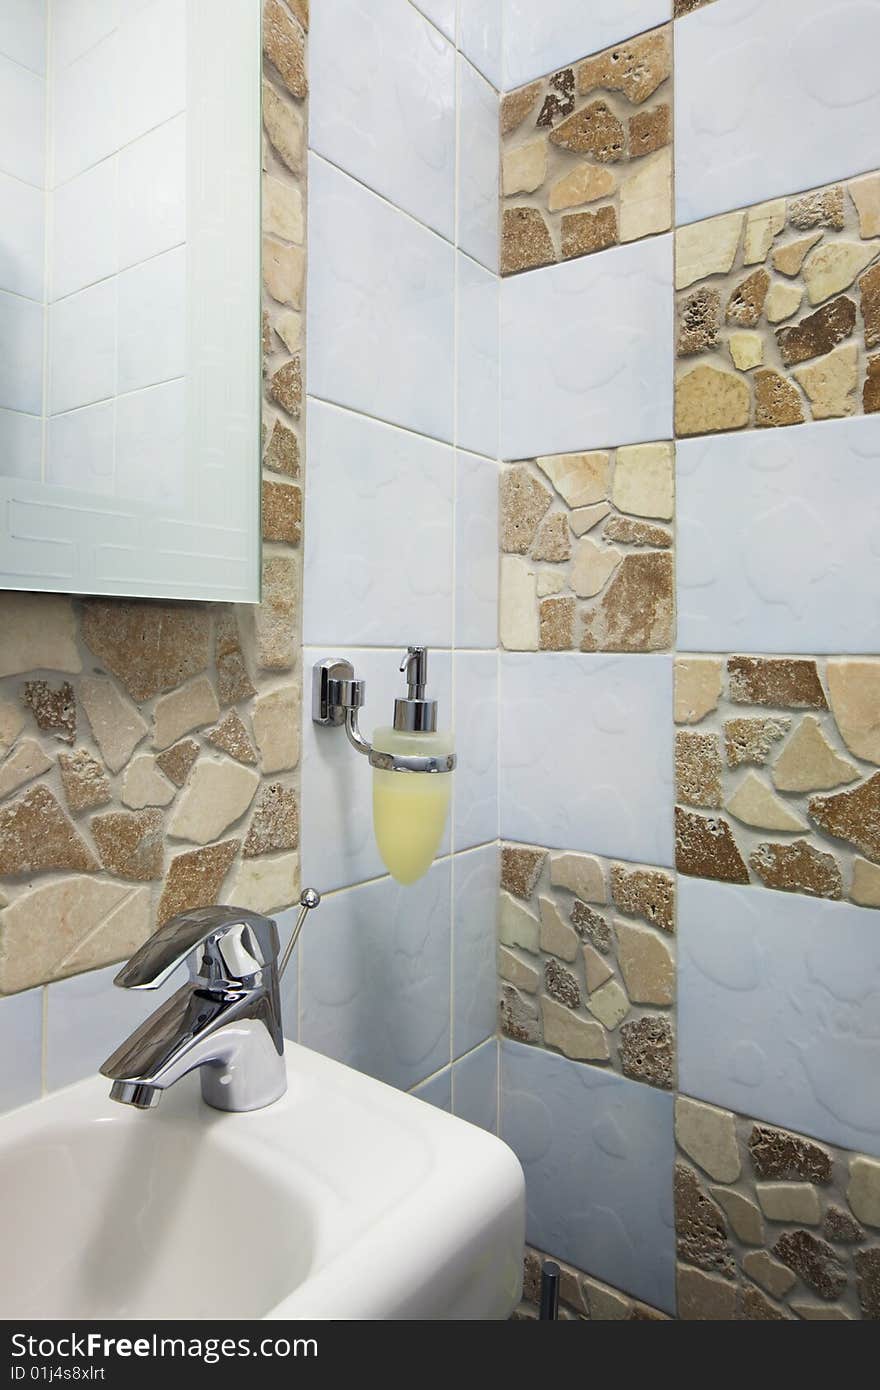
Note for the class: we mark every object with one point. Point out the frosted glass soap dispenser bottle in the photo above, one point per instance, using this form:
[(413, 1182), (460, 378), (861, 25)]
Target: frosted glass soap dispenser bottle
[(410, 807)]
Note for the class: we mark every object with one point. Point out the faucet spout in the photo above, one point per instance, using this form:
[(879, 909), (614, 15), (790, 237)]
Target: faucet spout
[(136, 1094)]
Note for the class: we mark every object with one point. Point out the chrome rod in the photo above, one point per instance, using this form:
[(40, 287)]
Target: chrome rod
[(310, 898)]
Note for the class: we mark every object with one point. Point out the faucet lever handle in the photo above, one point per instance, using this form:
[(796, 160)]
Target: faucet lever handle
[(238, 944)]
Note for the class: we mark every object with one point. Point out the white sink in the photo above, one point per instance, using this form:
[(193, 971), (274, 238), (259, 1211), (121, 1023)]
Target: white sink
[(345, 1199)]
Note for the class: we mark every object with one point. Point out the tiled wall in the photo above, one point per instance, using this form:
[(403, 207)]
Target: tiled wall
[(149, 751), (401, 524), (687, 615)]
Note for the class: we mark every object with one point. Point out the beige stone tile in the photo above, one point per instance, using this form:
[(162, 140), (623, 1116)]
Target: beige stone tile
[(708, 1136), (789, 258), (706, 248), (592, 566), (743, 1214), (580, 479), (576, 1037), (863, 1192), (707, 400), (755, 804), (217, 794), (697, 687), (585, 184), (609, 1004), (865, 883), (644, 480), (524, 169), (763, 223), (265, 885), (284, 128), (144, 784), (518, 972), (276, 728), (176, 714), (517, 926), (582, 874), (70, 925), (854, 694), (557, 937), (809, 763), (795, 1203), (646, 197), (518, 605), (25, 762), (39, 633), (746, 350), (833, 266), (646, 964), (865, 193), (782, 301), (117, 724), (283, 209)]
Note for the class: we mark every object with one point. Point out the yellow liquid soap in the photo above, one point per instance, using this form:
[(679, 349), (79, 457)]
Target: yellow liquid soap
[(410, 808)]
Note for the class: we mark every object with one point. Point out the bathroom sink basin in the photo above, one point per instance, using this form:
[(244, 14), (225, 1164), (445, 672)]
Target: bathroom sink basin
[(344, 1199)]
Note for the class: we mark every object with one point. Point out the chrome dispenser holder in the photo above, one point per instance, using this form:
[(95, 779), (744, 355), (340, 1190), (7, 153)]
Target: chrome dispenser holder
[(338, 695)]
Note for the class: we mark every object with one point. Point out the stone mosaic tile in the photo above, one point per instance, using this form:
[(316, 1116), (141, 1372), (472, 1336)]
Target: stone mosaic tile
[(777, 773), (770, 1224), (148, 713), (581, 1297), (586, 155), (778, 311), (587, 551), (586, 960)]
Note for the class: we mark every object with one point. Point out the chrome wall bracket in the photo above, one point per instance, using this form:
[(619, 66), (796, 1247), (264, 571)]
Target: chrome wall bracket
[(338, 695)]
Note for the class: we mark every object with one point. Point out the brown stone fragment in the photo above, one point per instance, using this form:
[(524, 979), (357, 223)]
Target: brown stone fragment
[(840, 1226), (301, 9), (518, 1017), (871, 390), (557, 624), (593, 130), (867, 1263), (54, 711), (636, 611), (531, 1291), (559, 102), (683, 7), (149, 647), (698, 768), (515, 106), (757, 1308), (647, 1051), (649, 130), (521, 869), (699, 321), (647, 893), (233, 681), (585, 232), (232, 736), (176, 761), (766, 680), (869, 285), (797, 868), (817, 333), (525, 241), (814, 1261), (705, 848), (553, 541), (130, 843), (83, 780), (776, 400), (852, 815), (707, 399), (747, 300), (631, 532), (284, 46), (591, 926), (700, 1228), (195, 878), (285, 387), (822, 209), (783, 1157), (275, 620), (281, 512), (636, 67), (275, 824), (36, 836), (561, 985), (282, 451), (752, 740), (524, 502)]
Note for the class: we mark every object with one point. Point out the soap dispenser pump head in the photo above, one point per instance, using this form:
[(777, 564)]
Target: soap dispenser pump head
[(415, 713)]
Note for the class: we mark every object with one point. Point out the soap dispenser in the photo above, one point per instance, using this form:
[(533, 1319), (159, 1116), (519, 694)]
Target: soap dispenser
[(410, 806)]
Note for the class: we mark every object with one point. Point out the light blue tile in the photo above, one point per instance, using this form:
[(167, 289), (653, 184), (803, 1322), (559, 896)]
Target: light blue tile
[(375, 978), (21, 1048), (478, 162), (474, 947), (585, 753), (480, 27), (597, 1151), (475, 1087), (437, 1090), (779, 1009), (475, 789), (477, 382), (540, 38), (87, 1017)]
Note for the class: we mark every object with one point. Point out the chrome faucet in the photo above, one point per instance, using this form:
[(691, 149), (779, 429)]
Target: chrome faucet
[(226, 1020)]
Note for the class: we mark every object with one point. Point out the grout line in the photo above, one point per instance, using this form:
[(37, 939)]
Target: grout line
[(449, 1066)]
